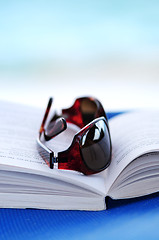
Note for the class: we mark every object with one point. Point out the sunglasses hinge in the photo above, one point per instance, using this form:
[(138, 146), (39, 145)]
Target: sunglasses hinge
[(54, 162), (55, 158)]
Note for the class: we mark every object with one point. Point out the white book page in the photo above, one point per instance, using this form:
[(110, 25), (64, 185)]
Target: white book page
[(133, 134), (19, 126)]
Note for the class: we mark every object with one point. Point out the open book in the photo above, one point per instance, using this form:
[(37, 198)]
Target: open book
[(27, 182)]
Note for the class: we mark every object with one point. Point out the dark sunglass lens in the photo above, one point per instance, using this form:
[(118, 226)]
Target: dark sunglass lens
[(54, 128), (88, 109), (96, 146)]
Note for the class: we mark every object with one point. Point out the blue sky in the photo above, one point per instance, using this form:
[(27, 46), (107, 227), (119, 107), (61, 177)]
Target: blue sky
[(33, 31)]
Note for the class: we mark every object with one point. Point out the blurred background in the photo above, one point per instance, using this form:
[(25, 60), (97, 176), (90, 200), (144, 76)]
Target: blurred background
[(66, 49)]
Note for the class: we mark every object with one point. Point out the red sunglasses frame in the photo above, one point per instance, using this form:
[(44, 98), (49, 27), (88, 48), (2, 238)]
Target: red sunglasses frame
[(71, 159)]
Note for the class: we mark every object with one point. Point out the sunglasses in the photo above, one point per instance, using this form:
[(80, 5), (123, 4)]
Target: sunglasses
[(91, 149)]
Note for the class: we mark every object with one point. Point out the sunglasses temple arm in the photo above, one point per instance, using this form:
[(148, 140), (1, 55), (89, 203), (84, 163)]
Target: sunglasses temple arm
[(46, 153), (45, 116)]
